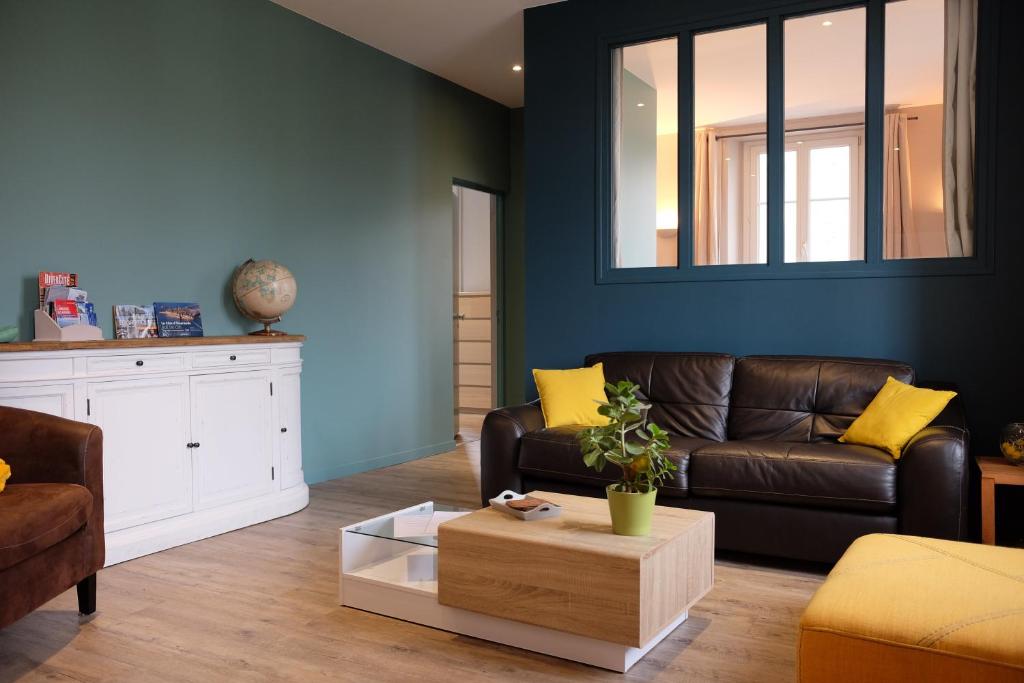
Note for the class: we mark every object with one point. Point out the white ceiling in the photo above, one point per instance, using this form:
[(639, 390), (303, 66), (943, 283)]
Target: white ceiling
[(471, 42), (824, 66)]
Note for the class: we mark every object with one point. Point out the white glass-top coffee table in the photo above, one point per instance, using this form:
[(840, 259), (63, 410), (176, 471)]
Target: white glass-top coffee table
[(395, 574)]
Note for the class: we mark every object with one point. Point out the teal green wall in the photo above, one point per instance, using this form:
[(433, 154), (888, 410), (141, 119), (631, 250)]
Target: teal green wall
[(152, 145)]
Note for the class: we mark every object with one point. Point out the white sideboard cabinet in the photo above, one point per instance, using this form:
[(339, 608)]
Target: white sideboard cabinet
[(200, 435)]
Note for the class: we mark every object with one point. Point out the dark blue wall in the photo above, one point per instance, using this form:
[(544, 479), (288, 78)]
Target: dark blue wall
[(964, 329)]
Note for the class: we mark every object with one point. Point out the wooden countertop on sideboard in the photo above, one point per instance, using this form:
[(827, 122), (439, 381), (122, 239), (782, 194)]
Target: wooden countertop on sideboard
[(148, 343)]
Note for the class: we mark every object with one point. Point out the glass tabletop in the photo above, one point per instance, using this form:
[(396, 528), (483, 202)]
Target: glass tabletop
[(416, 525)]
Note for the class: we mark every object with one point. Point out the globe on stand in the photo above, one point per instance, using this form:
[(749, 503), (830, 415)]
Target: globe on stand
[(264, 291)]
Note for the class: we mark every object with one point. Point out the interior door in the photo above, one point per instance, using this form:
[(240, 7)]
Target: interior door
[(146, 468), (475, 282), (232, 450)]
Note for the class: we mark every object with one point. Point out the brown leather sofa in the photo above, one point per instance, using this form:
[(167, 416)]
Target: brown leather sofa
[(755, 440), (51, 513)]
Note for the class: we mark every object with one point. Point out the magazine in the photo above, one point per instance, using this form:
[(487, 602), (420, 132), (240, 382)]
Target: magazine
[(134, 322), (49, 279), (178, 319)]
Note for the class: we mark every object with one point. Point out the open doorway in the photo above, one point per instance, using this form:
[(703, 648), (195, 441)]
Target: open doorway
[(475, 305)]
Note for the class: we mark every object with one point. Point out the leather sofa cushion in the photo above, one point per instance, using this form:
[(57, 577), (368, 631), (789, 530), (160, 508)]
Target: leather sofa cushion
[(688, 392), (554, 454), (34, 517), (822, 474), (795, 398)]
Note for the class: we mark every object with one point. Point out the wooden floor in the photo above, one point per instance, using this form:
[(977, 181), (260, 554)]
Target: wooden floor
[(260, 604), (469, 426)]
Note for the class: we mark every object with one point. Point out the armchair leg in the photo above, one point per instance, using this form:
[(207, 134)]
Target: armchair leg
[(87, 595)]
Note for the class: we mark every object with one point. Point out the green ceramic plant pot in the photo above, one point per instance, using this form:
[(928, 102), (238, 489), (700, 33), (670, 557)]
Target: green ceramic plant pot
[(8, 333), (631, 512)]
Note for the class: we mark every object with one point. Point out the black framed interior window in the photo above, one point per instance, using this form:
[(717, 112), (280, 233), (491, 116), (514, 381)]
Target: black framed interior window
[(830, 140)]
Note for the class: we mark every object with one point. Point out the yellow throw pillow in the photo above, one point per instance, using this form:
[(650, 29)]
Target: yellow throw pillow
[(571, 397), (5, 474), (895, 415)]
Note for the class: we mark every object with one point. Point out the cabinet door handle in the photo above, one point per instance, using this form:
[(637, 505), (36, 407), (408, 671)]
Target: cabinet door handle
[(139, 363), (284, 429), (190, 445), (233, 357), (195, 445)]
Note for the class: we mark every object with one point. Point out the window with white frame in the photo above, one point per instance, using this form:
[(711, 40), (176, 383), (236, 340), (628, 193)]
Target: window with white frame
[(823, 195)]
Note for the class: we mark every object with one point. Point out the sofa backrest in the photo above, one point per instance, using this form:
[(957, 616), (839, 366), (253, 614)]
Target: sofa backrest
[(688, 392), (804, 398)]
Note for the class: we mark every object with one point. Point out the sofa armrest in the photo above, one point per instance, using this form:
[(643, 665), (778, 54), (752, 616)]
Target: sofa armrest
[(44, 449), (933, 477), (499, 447)]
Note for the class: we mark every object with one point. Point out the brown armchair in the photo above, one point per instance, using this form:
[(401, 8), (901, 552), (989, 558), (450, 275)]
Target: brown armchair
[(51, 513)]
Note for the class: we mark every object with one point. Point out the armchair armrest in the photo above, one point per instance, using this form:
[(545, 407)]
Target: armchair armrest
[(44, 449), (499, 447), (932, 478)]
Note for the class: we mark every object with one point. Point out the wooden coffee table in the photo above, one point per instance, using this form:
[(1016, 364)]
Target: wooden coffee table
[(570, 573), (565, 586)]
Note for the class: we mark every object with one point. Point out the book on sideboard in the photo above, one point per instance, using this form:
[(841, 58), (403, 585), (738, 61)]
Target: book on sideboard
[(175, 319), (134, 322)]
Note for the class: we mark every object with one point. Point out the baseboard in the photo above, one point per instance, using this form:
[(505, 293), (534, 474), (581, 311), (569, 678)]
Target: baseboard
[(350, 468), (127, 544)]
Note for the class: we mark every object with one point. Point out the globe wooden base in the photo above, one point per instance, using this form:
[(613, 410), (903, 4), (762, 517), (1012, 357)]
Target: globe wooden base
[(267, 331)]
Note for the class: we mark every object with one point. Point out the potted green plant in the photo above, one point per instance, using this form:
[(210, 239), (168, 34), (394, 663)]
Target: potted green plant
[(638, 448)]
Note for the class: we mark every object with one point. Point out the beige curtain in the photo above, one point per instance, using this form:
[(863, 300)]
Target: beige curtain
[(705, 197), (897, 204), (958, 125)]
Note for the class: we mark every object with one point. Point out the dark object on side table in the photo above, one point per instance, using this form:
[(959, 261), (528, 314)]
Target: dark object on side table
[(51, 513), (755, 440)]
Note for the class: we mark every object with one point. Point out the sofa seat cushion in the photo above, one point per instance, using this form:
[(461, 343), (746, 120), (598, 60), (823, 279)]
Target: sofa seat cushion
[(820, 474), (554, 454), (908, 608), (34, 517)]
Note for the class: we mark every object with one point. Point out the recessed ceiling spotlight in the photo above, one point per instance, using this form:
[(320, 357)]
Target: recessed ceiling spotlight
[(826, 23), (799, 142), (517, 67), (640, 104)]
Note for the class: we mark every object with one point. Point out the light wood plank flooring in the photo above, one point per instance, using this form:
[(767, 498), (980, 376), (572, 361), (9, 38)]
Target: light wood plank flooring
[(260, 604)]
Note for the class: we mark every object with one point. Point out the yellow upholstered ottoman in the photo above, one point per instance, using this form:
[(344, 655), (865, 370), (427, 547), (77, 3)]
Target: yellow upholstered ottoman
[(906, 608)]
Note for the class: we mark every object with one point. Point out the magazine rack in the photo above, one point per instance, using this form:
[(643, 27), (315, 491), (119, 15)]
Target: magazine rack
[(48, 330)]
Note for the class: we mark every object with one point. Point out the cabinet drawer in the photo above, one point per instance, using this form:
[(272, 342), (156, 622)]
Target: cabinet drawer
[(155, 362), (211, 359), (43, 368)]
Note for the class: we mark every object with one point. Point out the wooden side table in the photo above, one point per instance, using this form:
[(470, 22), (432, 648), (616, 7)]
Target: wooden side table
[(995, 471)]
